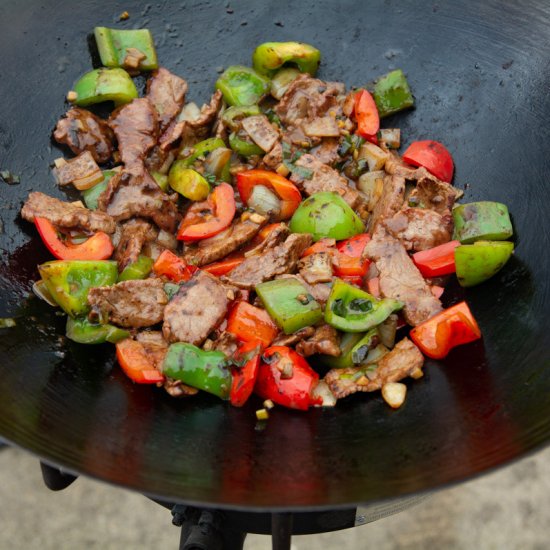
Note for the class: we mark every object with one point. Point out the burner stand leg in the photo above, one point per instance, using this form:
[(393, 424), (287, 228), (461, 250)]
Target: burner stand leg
[(281, 531)]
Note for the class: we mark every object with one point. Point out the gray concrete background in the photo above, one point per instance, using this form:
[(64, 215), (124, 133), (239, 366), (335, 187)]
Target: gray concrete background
[(505, 510)]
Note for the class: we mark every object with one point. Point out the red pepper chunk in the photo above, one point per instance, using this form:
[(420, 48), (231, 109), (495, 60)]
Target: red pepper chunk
[(286, 378), (434, 156), (322, 245), (208, 218), (226, 265), (288, 193), (244, 378), (446, 330), (97, 247), (348, 262), (173, 267), (135, 362), (251, 324), (366, 115), (436, 261)]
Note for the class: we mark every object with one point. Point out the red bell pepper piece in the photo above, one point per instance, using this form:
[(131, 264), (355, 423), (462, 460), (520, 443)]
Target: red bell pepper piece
[(446, 330), (436, 261), (251, 324), (288, 193), (135, 362), (366, 114), (220, 208), (173, 267), (226, 265), (97, 247), (286, 378), (323, 245), (244, 378), (433, 155), (348, 261)]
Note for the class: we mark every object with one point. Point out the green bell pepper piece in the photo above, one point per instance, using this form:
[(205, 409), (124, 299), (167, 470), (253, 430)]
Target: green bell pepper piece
[(391, 93), (91, 195), (244, 147), (270, 56), (354, 347), (188, 182), (478, 262), (233, 115), (105, 85), (161, 179), (242, 85), (353, 310), (82, 331), (481, 221), (289, 304), (326, 214), (138, 269), (200, 151), (114, 43), (204, 370), (69, 281)]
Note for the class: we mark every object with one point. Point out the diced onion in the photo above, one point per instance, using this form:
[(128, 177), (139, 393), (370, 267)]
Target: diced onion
[(39, 288), (376, 354), (372, 184), (282, 80), (217, 161), (387, 331), (394, 394), (322, 391), (189, 112), (375, 157), (391, 137), (264, 201)]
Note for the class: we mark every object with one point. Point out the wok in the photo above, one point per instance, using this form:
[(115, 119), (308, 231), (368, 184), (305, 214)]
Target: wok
[(480, 73)]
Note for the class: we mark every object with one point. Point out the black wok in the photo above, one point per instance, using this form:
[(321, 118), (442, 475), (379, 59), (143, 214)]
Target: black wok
[(481, 77)]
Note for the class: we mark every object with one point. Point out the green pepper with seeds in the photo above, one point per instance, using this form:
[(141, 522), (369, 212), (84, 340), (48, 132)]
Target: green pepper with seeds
[(105, 85), (270, 56), (80, 330), (242, 85)]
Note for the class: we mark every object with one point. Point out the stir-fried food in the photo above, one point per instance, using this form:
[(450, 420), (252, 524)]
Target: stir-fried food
[(271, 242)]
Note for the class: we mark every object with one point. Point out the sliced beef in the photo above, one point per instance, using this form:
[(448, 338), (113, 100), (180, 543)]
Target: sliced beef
[(419, 228), (396, 166), (218, 247), (134, 304), (261, 132), (274, 158), (325, 126), (276, 236), (390, 202), (275, 261), (196, 310), (325, 340), (128, 196), (166, 92), (65, 214), (82, 131), (404, 360), (400, 278), (325, 178), (136, 128), (316, 268), (327, 151), (292, 339), (176, 388), (154, 344), (434, 194), (133, 235), (227, 343)]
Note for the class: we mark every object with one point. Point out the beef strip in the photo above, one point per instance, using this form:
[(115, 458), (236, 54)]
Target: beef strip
[(404, 360), (227, 343), (281, 259), (434, 194), (390, 202), (274, 158), (133, 235), (136, 128), (166, 92), (419, 228), (154, 344), (396, 166), (196, 309), (327, 151), (325, 340), (138, 303), (399, 277), (316, 268), (260, 130), (129, 195), (176, 388), (276, 236), (82, 131), (292, 339), (65, 214), (218, 247)]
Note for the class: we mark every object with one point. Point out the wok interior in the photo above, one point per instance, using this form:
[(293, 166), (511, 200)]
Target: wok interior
[(480, 77)]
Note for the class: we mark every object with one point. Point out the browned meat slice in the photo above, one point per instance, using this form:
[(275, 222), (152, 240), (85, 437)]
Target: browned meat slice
[(325, 340), (404, 360), (292, 339), (65, 214), (325, 126), (434, 194), (400, 279), (327, 151), (316, 268), (130, 196), (82, 131), (227, 343), (396, 166), (176, 388), (154, 344), (133, 235), (325, 178), (166, 92), (135, 304), (222, 244), (136, 128), (260, 130), (196, 310), (390, 202), (320, 291), (275, 157), (275, 261), (419, 228), (276, 236)]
